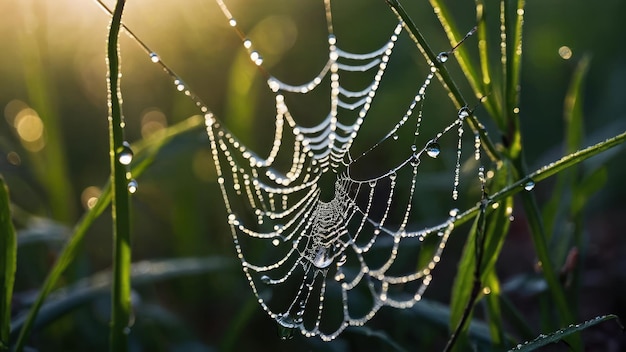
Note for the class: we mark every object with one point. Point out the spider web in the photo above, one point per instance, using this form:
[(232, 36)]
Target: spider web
[(323, 256), (330, 264)]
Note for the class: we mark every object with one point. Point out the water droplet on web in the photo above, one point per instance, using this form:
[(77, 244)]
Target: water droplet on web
[(454, 212), (415, 161), (132, 186), (256, 58), (442, 57), (433, 149), (265, 279), (275, 241), (395, 137), (323, 258), (414, 148), (125, 155), (464, 112), (342, 260), (247, 44), (529, 185), (286, 326), (154, 57), (232, 22)]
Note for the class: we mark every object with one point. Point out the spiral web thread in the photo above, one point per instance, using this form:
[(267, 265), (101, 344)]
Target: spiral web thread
[(320, 266)]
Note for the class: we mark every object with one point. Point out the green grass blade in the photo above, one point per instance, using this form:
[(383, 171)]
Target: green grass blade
[(491, 242), (574, 131), (444, 77), (143, 273), (493, 104), (145, 153), (494, 311), (48, 164), (573, 107), (120, 200), (8, 255), (513, 55), (464, 289), (461, 53), (543, 340), (538, 236), (545, 172)]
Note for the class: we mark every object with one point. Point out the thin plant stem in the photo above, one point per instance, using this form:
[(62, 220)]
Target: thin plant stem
[(145, 152), (120, 305), (8, 261)]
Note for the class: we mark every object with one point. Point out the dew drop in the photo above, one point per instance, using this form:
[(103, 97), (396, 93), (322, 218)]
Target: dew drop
[(232, 22), (342, 260), (529, 185), (464, 112), (414, 147), (275, 241), (442, 57), (395, 137), (433, 149), (454, 212), (415, 161), (132, 186), (125, 155), (154, 57), (286, 326), (265, 279), (256, 57), (247, 44)]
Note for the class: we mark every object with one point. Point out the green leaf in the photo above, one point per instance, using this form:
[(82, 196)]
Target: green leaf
[(587, 187), (439, 314), (494, 312), (558, 335), (378, 334), (491, 242), (84, 291), (574, 133), (145, 153), (8, 255)]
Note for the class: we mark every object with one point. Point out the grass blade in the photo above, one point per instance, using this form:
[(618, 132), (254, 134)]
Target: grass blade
[(120, 200), (461, 53), (143, 273), (8, 255), (559, 335), (145, 153), (444, 76), (480, 254), (545, 172)]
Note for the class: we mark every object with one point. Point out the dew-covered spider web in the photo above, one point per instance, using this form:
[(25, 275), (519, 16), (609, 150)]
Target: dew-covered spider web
[(323, 245)]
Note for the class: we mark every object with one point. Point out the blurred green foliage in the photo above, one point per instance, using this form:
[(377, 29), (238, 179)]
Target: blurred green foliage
[(53, 80)]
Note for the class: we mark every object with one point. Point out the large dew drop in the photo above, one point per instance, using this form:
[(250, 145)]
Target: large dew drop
[(433, 149), (529, 185), (154, 57), (125, 154), (132, 186), (286, 325), (442, 57)]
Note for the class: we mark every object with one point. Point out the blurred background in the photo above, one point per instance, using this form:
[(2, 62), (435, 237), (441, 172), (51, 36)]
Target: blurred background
[(54, 152)]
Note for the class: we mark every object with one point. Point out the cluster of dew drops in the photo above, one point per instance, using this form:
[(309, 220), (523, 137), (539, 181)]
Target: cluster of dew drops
[(125, 157)]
